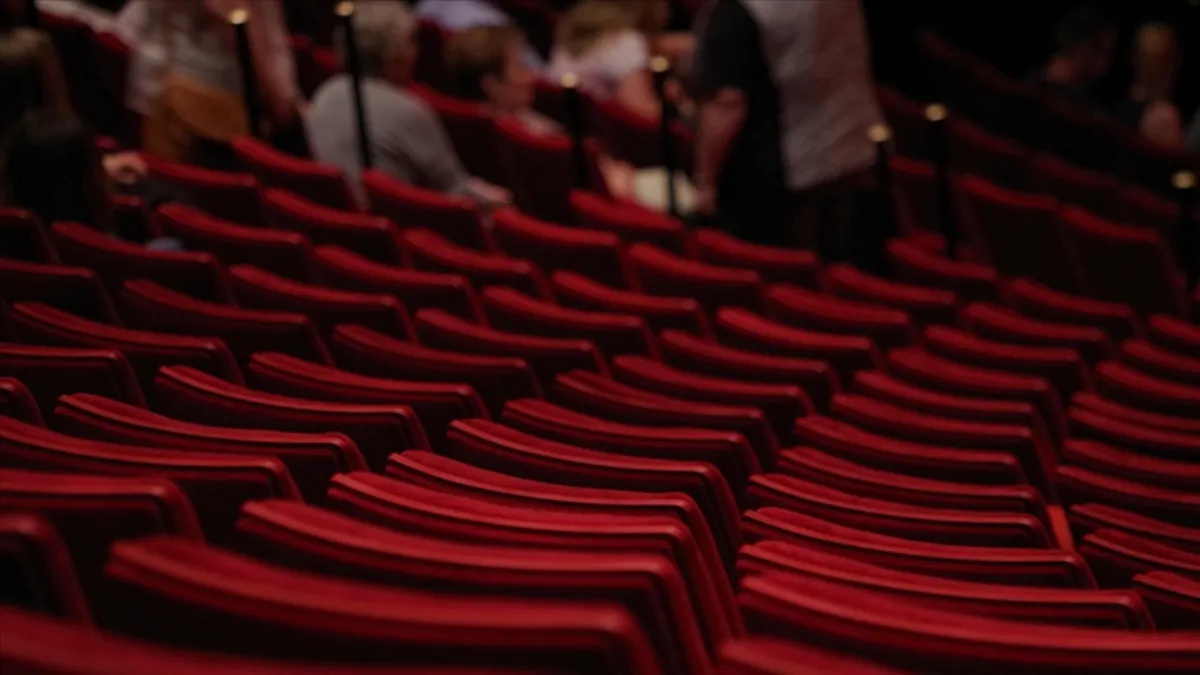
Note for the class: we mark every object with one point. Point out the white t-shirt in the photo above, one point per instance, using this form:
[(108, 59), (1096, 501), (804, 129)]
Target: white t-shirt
[(602, 67)]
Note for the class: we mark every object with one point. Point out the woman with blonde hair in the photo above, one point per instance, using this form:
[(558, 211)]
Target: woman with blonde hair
[(1149, 108), (607, 44)]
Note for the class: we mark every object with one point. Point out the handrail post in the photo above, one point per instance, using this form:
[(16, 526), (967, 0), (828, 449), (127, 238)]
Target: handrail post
[(661, 68), (238, 18), (345, 13)]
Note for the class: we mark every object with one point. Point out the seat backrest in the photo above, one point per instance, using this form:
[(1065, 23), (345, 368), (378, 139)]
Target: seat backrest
[(322, 184), (279, 251), (424, 249), (968, 280), (377, 430), (1036, 300), (408, 206), (847, 354), (629, 221), (925, 304), (77, 290), (229, 196), (38, 573), (775, 264), (1173, 599), (51, 372), (594, 253), (613, 334), (23, 238), (145, 351), (172, 591), (1006, 325), (217, 484), (368, 235), (1090, 517), (342, 268), (813, 310), (660, 272), (576, 290), (196, 274), (16, 401), (1117, 557)]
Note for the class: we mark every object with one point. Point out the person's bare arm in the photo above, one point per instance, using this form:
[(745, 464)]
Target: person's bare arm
[(720, 119), (1162, 125)]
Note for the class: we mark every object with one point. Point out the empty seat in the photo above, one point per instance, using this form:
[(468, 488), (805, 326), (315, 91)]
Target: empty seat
[(246, 331), (1137, 466), (195, 274), (933, 372), (326, 307), (16, 401), (1095, 191), (229, 196), (436, 404), (368, 235), (845, 353), (575, 290), (602, 397), (1160, 362), (729, 452), (35, 643), (774, 264), (1117, 557), (539, 169), (883, 387), (454, 217), (758, 655), (278, 251), (613, 334), (1043, 567), (813, 310), (1079, 607), (1175, 334), (1149, 441), (1036, 300), (629, 221), (596, 254), (899, 633), (217, 484), (91, 512), (659, 272), (924, 304), (377, 429), (1091, 400), (903, 456), (312, 459), (1133, 387), (1038, 457), (547, 356), (689, 352), (145, 351), (833, 471), (274, 169), (499, 448), (77, 290), (974, 150), (1019, 233), (1062, 367), (342, 268), (781, 403), (497, 379), (314, 540), (1173, 599), (38, 573), (919, 523), (51, 372), (1126, 264), (1005, 325), (1087, 518), (448, 475), (426, 250), (1078, 485), (169, 589), (23, 238), (968, 280)]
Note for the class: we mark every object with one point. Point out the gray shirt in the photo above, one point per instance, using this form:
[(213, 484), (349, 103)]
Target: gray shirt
[(407, 139)]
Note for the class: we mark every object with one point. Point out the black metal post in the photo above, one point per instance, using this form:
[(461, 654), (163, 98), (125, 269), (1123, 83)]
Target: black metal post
[(881, 136), (239, 19), (345, 12), (33, 18), (574, 109), (666, 119), (935, 114), (1189, 253)]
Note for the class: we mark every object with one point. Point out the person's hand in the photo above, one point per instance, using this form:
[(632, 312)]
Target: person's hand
[(124, 167), (706, 199)]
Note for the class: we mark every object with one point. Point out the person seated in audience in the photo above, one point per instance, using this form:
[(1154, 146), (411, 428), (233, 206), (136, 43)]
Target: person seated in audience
[(1086, 40), (185, 68), (1148, 107), (607, 44), (484, 65), (30, 75), (50, 165), (460, 15), (407, 140)]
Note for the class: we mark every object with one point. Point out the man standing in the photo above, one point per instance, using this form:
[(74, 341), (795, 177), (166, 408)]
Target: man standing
[(786, 96)]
